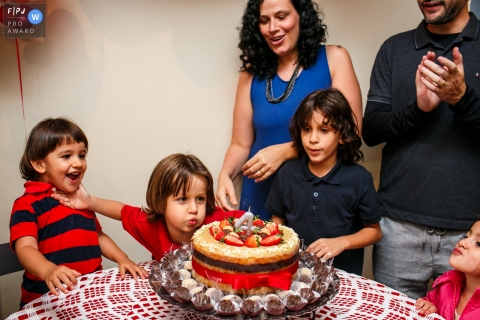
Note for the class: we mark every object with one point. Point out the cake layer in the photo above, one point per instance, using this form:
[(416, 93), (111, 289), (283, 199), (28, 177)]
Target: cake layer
[(224, 266)]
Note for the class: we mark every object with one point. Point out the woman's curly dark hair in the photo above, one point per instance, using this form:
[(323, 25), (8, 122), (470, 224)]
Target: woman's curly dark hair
[(338, 114), (257, 57)]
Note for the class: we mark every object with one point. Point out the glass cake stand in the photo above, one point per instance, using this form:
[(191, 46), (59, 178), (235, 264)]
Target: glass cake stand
[(309, 308)]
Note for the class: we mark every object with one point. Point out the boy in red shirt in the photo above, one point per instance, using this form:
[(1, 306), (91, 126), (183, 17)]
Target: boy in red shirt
[(56, 244)]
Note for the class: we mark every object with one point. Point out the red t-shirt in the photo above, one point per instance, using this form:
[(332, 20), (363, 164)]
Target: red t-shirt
[(154, 236)]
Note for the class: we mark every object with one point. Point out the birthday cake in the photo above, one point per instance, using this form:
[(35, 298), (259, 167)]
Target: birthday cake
[(244, 266), (255, 259)]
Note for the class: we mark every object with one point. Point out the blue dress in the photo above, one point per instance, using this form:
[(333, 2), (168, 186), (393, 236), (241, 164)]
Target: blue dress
[(271, 123)]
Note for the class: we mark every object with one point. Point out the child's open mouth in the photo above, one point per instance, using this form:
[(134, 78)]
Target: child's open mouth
[(73, 176)]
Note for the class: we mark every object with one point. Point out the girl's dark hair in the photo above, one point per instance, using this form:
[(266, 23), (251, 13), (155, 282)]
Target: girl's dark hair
[(257, 57), (171, 176), (45, 137), (338, 114)]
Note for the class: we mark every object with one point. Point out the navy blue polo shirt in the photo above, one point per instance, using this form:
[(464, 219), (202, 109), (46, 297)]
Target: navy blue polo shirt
[(338, 204)]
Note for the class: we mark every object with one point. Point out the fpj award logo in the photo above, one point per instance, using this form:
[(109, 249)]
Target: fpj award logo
[(23, 20)]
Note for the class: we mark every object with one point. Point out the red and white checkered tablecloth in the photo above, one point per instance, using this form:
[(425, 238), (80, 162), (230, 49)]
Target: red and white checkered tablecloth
[(104, 296)]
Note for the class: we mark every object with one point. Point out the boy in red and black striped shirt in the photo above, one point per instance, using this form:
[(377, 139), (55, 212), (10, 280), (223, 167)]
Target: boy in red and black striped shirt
[(54, 243)]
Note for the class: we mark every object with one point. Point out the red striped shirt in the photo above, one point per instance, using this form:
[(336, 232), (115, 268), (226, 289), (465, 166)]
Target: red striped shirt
[(65, 236)]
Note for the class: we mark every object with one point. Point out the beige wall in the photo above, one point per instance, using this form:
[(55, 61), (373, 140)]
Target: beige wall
[(145, 79)]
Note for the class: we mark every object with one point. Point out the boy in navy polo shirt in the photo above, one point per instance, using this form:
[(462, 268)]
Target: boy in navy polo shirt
[(328, 199), (54, 243)]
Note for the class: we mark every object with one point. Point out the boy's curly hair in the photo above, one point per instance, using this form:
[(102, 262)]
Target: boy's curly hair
[(338, 114), (257, 57)]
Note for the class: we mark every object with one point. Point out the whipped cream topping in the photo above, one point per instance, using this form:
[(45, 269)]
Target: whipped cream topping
[(203, 238)]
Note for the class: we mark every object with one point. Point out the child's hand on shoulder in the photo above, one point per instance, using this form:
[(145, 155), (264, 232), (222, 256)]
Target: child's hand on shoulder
[(80, 199), (326, 248), (424, 306), (126, 264), (58, 277)]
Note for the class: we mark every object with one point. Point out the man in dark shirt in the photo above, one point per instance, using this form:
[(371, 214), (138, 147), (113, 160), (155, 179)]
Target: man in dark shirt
[(424, 103)]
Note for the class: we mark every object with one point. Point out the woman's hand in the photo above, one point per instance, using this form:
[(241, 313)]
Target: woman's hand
[(266, 161), (326, 248), (79, 200), (424, 306), (225, 190), (243, 136)]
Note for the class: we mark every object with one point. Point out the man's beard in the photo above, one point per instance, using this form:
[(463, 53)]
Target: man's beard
[(451, 10)]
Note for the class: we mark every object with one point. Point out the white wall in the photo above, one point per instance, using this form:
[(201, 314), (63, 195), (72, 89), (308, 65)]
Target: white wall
[(145, 79)]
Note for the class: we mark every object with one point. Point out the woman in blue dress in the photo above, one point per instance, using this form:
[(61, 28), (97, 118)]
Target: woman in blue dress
[(284, 60)]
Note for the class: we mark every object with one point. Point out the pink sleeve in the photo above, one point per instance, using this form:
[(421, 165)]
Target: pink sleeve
[(432, 296)]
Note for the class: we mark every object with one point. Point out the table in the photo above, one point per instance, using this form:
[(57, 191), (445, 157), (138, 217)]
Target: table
[(104, 296)]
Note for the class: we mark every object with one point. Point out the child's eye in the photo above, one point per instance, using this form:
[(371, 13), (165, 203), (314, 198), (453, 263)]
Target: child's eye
[(201, 199), (181, 199), (325, 130), (66, 156), (306, 129), (82, 156), (464, 237), (478, 244)]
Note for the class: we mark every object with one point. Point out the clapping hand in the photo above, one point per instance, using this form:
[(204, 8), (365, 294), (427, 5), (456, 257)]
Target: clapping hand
[(444, 82)]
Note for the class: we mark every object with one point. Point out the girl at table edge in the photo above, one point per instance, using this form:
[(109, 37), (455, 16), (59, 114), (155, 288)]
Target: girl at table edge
[(53, 243), (282, 27), (456, 293), (179, 197)]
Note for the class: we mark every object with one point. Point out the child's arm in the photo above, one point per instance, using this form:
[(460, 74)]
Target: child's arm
[(424, 306), (81, 200), (327, 248), (34, 262), (111, 251)]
